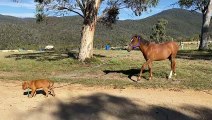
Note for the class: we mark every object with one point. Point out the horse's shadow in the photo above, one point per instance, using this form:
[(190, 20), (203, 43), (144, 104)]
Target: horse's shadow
[(129, 73)]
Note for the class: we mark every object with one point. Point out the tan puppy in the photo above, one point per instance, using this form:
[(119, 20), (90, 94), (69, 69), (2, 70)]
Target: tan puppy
[(46, 85)]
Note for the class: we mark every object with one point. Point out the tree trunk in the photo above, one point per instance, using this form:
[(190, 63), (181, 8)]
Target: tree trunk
[(86, 48), (206, 17), (88, 30)]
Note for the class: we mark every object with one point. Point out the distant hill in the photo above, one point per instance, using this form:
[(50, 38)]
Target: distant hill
[(180, 22), (64, 32)]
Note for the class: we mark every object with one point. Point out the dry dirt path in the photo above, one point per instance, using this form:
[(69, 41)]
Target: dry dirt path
[(77, 102)]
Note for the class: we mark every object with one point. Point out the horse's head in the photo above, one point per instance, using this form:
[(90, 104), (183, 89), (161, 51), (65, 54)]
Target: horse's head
[(135, 42)]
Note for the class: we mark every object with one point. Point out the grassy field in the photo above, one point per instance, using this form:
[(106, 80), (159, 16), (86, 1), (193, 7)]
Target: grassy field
[(114, 69)]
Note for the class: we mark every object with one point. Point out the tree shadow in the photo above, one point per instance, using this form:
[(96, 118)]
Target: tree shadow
[(73, 54), (101, 106), (129, 73), (39, 56), (195, 55)]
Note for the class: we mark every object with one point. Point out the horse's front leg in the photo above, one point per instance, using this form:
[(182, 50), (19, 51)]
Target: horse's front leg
[(142, 69)]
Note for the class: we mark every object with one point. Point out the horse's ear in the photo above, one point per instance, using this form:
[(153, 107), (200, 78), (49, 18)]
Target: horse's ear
[(139, 38)]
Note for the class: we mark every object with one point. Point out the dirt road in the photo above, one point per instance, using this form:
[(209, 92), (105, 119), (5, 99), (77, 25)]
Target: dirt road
[(77, 102)]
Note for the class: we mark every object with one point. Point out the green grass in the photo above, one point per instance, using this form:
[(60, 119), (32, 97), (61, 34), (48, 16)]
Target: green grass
[(112, 68)]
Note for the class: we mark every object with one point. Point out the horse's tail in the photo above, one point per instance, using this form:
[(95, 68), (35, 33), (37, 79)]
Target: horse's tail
[(174, 48)]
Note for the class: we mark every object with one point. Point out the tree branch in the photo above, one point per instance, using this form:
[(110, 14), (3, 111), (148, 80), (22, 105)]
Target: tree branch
[(173, 4), (65, 8), (204, 8), (82, 7), (197, 8), (101, 16)]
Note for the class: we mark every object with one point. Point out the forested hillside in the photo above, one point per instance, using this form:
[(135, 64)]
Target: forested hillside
[(64, 32)]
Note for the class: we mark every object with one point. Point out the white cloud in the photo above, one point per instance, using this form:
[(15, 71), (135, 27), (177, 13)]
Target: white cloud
[(20, 15)]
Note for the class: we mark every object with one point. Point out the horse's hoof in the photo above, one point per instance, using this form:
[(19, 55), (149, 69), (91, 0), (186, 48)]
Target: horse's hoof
[(169, 78), (150, 78)]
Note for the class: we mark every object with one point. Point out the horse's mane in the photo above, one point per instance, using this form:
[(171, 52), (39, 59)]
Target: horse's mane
[(144, 41)]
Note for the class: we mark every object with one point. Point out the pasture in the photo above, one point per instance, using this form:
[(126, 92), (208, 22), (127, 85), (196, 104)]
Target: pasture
[(112, 68), (102, 89)]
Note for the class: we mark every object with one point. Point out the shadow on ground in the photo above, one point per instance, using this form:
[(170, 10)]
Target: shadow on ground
[(40, 56), (129, 73), (48, 55), (101, 106), (195, 55), (37, 92)]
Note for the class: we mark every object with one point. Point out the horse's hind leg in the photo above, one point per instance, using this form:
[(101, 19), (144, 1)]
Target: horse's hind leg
[(150, 70), (173, 68)]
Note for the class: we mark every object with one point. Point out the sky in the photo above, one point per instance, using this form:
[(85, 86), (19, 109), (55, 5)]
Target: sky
[(26, 8)]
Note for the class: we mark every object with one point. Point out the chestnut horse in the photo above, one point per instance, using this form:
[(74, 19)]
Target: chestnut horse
[(155, 52)]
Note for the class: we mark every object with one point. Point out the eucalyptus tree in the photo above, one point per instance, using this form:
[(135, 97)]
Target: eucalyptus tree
[(92, 12), (205, 7)]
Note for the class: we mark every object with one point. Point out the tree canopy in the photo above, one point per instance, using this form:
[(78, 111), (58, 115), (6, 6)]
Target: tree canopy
[(159, 31), (110, 9), (194, 4)]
